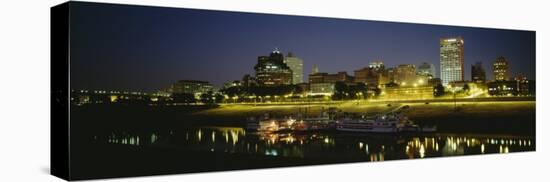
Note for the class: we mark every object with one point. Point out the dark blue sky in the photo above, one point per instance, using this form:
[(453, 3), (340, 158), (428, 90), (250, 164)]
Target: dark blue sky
[(147, 48)]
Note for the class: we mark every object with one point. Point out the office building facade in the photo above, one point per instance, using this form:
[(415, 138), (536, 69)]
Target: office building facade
[(501, 69), (297, 66), (451, 59), (272, 71), (194, 87)]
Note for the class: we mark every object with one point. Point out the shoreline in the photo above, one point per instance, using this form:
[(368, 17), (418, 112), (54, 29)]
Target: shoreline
[(503, 117)]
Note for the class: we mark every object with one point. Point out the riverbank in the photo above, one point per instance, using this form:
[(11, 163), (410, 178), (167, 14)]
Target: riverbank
[(498, 117), (504, 117)]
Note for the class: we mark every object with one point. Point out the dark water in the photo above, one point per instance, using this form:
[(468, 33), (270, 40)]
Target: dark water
[(320, 145), (120, 141)]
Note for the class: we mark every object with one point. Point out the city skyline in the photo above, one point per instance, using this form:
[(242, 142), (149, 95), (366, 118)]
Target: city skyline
[(156, 90), (107, 53)]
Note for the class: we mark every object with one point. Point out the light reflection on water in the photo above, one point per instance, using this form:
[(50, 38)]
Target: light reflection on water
[(323, 144)]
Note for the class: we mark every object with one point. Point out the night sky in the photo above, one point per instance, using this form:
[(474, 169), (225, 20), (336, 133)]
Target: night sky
[(116, 47)]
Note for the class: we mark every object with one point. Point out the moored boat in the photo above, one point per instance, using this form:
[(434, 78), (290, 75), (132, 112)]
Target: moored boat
[(367, 125), (290, 123), (388, 123)]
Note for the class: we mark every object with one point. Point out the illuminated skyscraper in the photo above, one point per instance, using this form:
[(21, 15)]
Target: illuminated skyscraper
[(297, 66), (451, 59), (271, 70), (501, 69)]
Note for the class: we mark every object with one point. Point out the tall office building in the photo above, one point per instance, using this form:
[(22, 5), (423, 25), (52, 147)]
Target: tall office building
[(297, 66), (426, 69), (501, 69), (271, 70), (478, 73), (451, 59)]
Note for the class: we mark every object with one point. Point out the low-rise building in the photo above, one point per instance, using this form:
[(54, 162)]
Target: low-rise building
[(372, 77), (407, 93), (321, 88), (323, 83), (502, 88), (194, 87), (321, 77)]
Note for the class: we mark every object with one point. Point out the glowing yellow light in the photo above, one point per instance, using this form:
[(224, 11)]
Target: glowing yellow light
[(422, 151), (226, 137), (213, 136), (199, 135), (234, 136), (290, 122), (114, 98)]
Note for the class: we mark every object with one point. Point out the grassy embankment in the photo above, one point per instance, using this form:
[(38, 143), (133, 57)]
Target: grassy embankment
[(506, 117)]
